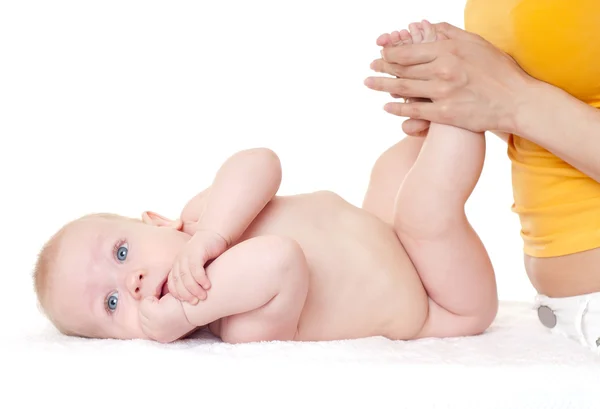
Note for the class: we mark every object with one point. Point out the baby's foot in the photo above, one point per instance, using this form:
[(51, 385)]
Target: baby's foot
[(396, 38), (423, 32)]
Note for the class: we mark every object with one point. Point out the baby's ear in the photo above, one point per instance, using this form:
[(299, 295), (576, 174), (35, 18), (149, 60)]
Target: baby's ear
[(155, 219)]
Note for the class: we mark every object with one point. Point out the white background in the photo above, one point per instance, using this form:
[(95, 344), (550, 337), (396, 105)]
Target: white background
[(124, 106)]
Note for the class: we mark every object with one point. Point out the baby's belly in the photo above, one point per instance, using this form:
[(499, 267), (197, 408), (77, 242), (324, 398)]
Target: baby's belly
[(362, 280)]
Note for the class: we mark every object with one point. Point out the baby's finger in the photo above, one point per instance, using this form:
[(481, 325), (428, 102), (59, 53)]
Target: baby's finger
[(201, 279), (148, 307), (188, 276), (171, 284), (185, 283), (150, 317), (180, 288)]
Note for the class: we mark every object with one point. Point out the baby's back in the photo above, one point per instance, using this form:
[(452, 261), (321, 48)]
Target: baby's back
[(362, 281)]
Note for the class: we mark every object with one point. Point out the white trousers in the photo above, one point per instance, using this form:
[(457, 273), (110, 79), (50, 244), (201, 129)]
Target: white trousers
[(577, 317)]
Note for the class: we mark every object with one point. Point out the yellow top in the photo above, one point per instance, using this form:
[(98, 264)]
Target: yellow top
[(558, 42)]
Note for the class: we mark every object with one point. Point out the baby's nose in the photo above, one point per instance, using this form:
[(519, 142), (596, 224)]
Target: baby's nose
[(135, 282)]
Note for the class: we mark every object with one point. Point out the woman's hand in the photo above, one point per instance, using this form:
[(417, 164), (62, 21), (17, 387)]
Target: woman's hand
[(411, 126), (474, 85), (471, 83)]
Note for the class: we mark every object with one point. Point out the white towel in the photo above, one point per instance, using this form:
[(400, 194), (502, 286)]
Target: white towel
[(515, 364)]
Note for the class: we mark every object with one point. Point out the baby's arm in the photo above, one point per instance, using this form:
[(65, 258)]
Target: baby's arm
[(263, 280), (164, 320), (260, 284), (193, 210), (242, 187)]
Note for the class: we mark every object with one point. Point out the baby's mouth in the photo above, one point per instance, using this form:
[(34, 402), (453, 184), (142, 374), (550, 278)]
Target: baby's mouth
[(165, 289)]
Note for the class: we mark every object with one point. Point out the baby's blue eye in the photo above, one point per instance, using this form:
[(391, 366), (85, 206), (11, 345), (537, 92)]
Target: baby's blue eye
[(122, 252), (112, 300)]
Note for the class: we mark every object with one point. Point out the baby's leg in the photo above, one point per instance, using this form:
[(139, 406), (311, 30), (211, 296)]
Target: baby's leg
[(388, 174), (392, 166), (430, 221), (259, 287)]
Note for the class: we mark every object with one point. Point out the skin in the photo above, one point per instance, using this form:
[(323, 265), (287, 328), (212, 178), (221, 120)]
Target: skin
[(505, 100), (306, 267), (100, 258)]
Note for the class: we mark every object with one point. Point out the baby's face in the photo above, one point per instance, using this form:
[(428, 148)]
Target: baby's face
[(105, 268)]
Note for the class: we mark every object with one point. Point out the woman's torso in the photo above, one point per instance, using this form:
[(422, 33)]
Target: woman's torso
[(558, 42)]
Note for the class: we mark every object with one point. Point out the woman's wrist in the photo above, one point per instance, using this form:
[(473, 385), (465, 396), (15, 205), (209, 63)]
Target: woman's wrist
[(519, 103), (530, 107)]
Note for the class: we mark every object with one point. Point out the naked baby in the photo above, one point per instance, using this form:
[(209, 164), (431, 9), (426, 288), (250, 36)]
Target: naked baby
[(253, 266)]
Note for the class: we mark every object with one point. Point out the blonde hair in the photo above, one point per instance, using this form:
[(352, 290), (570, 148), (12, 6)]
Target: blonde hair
[(45, 266), (45, 263)]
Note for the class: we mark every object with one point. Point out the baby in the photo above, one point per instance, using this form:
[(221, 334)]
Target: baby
[(253, 266)]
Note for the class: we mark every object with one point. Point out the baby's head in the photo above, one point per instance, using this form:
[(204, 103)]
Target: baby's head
[(92, 274)]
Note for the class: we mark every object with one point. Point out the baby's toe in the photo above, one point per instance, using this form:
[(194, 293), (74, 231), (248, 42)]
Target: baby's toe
[(383, 40), (428, 31), (395, 37), (405, 37), (416, 32)]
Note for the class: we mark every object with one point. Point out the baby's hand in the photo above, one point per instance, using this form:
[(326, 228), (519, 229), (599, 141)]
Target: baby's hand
[(187, 281), (163, 320)]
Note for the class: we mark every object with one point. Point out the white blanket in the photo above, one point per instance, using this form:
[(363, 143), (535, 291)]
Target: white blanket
[(515, 364)]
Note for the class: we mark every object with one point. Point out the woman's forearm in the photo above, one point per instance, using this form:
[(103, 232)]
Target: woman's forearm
[(561, 124)]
